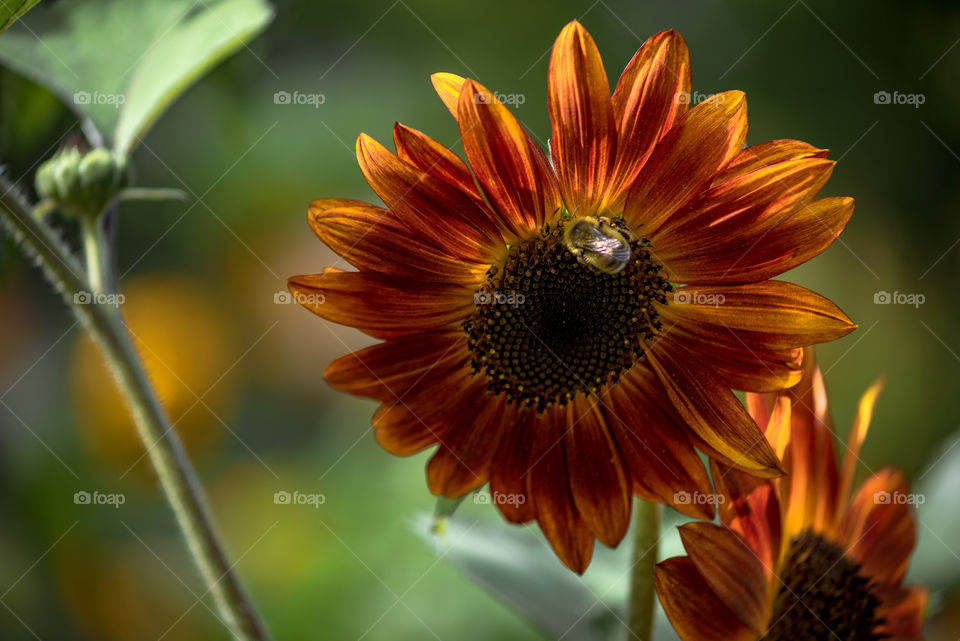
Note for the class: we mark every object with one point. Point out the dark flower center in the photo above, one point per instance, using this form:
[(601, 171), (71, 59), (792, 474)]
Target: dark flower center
[(548, 326), (823, 596)]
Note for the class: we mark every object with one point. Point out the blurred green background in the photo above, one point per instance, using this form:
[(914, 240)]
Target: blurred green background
[(242, 374)]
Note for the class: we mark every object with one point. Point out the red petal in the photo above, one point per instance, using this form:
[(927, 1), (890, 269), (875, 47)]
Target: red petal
[(584, 139), (512, 170), (509, 476), (686, 159), (711, 411), (600, 488), (428, 155), (373, 301), (750, 508), (371, 239), (696, 612), (387, 371), (732, 570), (767, 153), (428, 206), (652, 437), (462, 462), (647, 101), (549, 485)]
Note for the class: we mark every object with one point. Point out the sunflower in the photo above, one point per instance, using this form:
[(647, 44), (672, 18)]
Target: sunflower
[(803, 557), (569, 329)]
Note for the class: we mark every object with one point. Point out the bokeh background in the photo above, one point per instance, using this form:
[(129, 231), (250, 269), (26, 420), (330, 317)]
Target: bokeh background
[(240, 370)]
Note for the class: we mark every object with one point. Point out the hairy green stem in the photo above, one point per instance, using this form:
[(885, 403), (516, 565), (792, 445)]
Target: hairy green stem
[(646, 538), (102, 319)]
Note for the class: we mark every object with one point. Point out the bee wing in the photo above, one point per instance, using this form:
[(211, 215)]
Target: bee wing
[(609, 246)]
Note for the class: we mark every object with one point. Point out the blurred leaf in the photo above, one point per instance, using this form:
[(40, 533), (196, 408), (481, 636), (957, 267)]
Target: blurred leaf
[(10, 10), (936, 560), (128, 61), (518, 567)]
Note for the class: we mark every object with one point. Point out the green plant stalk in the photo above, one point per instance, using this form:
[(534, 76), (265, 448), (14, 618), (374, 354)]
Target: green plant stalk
[(163, 446), (646, 539)]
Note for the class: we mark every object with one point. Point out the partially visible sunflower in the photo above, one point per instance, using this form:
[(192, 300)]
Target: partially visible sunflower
[(530, 321), (803, 557)]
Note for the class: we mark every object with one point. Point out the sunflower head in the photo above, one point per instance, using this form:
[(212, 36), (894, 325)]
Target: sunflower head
[(568, 329), (802, 557)]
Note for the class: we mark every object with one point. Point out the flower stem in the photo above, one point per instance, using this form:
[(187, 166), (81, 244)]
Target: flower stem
[(646, 538), (163, 446), (95, 251)]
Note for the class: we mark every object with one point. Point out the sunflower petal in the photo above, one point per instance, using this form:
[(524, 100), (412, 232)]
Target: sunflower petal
[(600, 488), (373, 301), (711, 411), (656, 450), (371, 239), (750, 507), (696, 612), (549, 485), (652, 92), (765, 154), (387, 371), (584, 141), (509, 477), (731, 569), (684, 162), (429, 206), (512, 170), (428, 155)]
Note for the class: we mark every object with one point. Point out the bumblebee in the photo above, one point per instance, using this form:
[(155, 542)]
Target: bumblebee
[(597, 243)]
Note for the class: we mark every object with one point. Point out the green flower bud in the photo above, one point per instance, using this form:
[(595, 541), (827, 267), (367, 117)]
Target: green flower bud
[(82, 184)]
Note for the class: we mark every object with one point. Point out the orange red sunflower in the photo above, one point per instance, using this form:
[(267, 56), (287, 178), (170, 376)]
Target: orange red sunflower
[(571, 371), (804, 557)]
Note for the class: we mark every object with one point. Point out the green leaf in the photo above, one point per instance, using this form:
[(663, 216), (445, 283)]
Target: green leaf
[(518, 567), (935, 560), (10, 10), (120, 64)]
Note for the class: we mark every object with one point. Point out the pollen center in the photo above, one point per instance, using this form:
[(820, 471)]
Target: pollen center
[(823, 596), (547, 325)]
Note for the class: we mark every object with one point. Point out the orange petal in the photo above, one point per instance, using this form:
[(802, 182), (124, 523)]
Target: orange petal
[(686, 159), (428, 155), (600, 488), (738, 206), (512, 170), (765, 154), (463, 460), (429, 206), (696, 612), (509, 476), (880, 528), (732, 570), (772, 314), (749, 506), (584, 138), (448, 87), (388, 371), (549, 486), (369, 238), (858, 432), (902, 611), (417, 421), (647, 101), (656, 450), (373, 301), (711, 411)]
